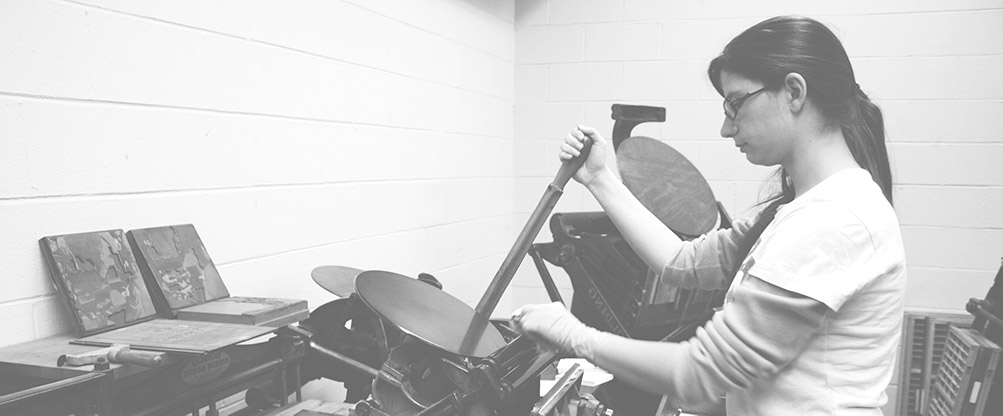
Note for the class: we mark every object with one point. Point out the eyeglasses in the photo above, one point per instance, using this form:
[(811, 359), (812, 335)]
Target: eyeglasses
[(731, 106)]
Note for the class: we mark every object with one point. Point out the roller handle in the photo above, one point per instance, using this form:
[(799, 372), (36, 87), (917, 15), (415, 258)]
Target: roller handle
[(570, 166), (518, 252), (140, 358), (116, 354)]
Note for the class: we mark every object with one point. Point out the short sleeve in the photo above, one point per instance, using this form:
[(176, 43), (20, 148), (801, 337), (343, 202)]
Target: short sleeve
[(707, 262), (820, 251)]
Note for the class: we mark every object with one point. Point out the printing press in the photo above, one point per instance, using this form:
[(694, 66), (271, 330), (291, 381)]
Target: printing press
[(412, 349), (435, 354), (402, 346)]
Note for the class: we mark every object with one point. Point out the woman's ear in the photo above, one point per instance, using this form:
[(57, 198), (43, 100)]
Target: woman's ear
[(797, 89)]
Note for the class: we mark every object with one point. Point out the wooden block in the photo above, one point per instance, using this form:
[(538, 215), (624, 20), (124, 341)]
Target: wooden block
[(177, 267), (185, 284), (95, 273), (248, 311)]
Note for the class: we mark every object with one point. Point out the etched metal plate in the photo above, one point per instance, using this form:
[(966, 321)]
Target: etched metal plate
[(97, 277)]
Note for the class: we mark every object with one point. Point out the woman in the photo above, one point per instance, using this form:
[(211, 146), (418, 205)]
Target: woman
[(812, 318)]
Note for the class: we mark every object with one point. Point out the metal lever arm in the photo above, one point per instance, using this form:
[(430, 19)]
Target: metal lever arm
[(529, 233), (629, 116)]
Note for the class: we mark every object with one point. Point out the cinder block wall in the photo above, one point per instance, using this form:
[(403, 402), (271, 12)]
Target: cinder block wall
[(933, 67), (382, 134), (291, 134)]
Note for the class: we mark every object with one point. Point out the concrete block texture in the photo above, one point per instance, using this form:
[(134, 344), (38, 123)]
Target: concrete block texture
[(153, 149), (592, 81), (943, 121), (949, 206), (585, 11), (290, 135), (947, 163), (622, 41), (549, 44), (944, 289)]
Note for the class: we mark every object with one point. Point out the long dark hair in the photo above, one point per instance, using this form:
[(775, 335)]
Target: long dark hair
[(775, 47)]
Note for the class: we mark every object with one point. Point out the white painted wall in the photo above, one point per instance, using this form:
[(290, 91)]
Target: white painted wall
[(416, 136), (933, 67), (291, 134)]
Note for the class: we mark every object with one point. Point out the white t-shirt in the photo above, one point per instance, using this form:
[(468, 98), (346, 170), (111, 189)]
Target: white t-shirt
[(838, 243)]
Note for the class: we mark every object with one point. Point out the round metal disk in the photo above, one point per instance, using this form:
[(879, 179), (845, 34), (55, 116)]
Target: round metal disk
[(429, 314), (668, 185), (339, 280)]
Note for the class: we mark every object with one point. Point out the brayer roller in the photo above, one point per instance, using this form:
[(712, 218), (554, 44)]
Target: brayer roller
[(119, 354)]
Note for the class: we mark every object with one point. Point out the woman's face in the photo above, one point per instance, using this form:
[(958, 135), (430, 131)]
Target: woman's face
[(759, 127)]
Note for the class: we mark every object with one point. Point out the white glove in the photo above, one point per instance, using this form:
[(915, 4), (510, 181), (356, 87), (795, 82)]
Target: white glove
[(554, 326)]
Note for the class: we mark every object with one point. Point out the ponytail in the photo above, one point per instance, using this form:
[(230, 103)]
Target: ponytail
[(865, 136)]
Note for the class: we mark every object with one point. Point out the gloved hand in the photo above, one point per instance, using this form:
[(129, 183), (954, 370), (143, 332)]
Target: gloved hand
[(555, 327)]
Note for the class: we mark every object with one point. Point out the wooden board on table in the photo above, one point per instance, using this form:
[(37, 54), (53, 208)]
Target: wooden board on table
[(312, 407), (248, 311), (174, 335)]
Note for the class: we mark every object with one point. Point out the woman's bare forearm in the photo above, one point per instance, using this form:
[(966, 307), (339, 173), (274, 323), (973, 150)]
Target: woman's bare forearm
[(653, 242)]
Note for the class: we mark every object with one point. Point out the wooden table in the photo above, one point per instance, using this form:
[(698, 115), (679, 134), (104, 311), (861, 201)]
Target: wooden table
[(319, 408), (32, 384)]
